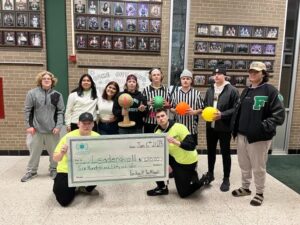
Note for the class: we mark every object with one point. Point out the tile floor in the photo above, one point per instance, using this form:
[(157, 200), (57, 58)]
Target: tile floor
[(33, 203)]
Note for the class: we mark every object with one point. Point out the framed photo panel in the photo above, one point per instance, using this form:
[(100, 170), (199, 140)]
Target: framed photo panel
[(93, 23), (22, 38), (35, 39), (202, 29), (79, 6), (143, 25), (131, 9), (105, 24), (131, 43), (199, 64), (93, 41), (118, 25), (228, 64), (119, 8), (240, 81), (269, 65), (22, 19), (269, 49), (143, 44), (81, 41), (106, 42), (199, 80), (245, 31), (230, 31), (131, 25), (155, 11), (215, 47), (256, 49), (212, 63), (258, 32), (154, 44), (240, 65), (272, 32), (229, 48), (8, 19), (34, 5), (210, 80), (216, 30), (80, 22), (201, 47), (92, 7), (9, 38), (242, 48), (35, 20), (155, 26), (21, 5), (105, 7), (8, 5), (143, 10), (118, 43)]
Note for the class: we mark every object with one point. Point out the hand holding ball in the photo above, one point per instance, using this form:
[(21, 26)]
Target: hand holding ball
[(158, 102), (208, 114), (182, 108)]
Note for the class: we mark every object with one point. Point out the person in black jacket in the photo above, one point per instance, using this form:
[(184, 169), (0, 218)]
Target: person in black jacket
[(254, 123), (223, 96), (137, 111)]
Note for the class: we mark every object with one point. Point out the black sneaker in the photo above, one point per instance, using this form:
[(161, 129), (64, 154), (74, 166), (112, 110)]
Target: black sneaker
[(225, 185), (158, 191), (208, 178)]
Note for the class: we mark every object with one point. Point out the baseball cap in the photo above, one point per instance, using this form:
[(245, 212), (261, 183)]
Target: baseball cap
[(258, 66), (86, 116), (221, 70), (186, 73)]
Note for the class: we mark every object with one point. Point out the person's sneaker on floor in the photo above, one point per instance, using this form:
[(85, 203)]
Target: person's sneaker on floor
[(83, 190), (208, 178), (158, 191), (225, 185), (53, 174), (28, 176)]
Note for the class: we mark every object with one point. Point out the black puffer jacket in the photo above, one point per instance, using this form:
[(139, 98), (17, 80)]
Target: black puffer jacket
[(258, 113), (228, 98)]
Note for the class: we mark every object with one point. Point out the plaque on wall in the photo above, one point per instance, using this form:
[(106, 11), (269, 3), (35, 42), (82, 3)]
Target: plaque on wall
[(133, 26)]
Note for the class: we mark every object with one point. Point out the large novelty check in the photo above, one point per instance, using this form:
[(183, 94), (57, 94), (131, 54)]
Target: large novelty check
[(117, 158)]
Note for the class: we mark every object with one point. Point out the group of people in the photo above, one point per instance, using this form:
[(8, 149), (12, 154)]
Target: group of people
[(251, 117)]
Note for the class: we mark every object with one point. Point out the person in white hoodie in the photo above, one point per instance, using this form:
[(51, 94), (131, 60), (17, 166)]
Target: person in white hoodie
[(223, 96), (82, 99)]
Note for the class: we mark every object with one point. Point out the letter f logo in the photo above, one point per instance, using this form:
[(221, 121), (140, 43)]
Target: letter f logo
[(259, 102)]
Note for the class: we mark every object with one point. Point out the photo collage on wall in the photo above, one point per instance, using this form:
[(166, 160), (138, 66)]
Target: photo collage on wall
[(260, 47), (118, 26), (20, 23)]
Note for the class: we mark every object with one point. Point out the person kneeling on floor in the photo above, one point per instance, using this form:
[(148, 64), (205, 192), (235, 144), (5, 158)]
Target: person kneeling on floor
[(63, 193), (183, 157)]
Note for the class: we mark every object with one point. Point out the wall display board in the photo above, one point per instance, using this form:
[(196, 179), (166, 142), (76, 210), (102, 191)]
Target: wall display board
[(118, 26), (20, 24), (210, 46)]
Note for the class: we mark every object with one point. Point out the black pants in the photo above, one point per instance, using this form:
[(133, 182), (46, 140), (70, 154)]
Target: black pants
[(224, 138), (63, 193), (184, 176), (74, 126), (149, 128)]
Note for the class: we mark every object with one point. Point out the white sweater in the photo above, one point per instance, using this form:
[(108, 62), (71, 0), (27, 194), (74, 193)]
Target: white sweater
[(105, 109), (77, 105)]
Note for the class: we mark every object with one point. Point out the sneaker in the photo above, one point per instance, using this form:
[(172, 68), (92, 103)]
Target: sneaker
[(225, 185), (28, 176), (53, 174), (158, 191), (82, 190), (208, 178)]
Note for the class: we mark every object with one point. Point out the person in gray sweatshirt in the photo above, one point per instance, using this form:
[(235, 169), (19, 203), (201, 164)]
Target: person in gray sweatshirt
[(44, 117)]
